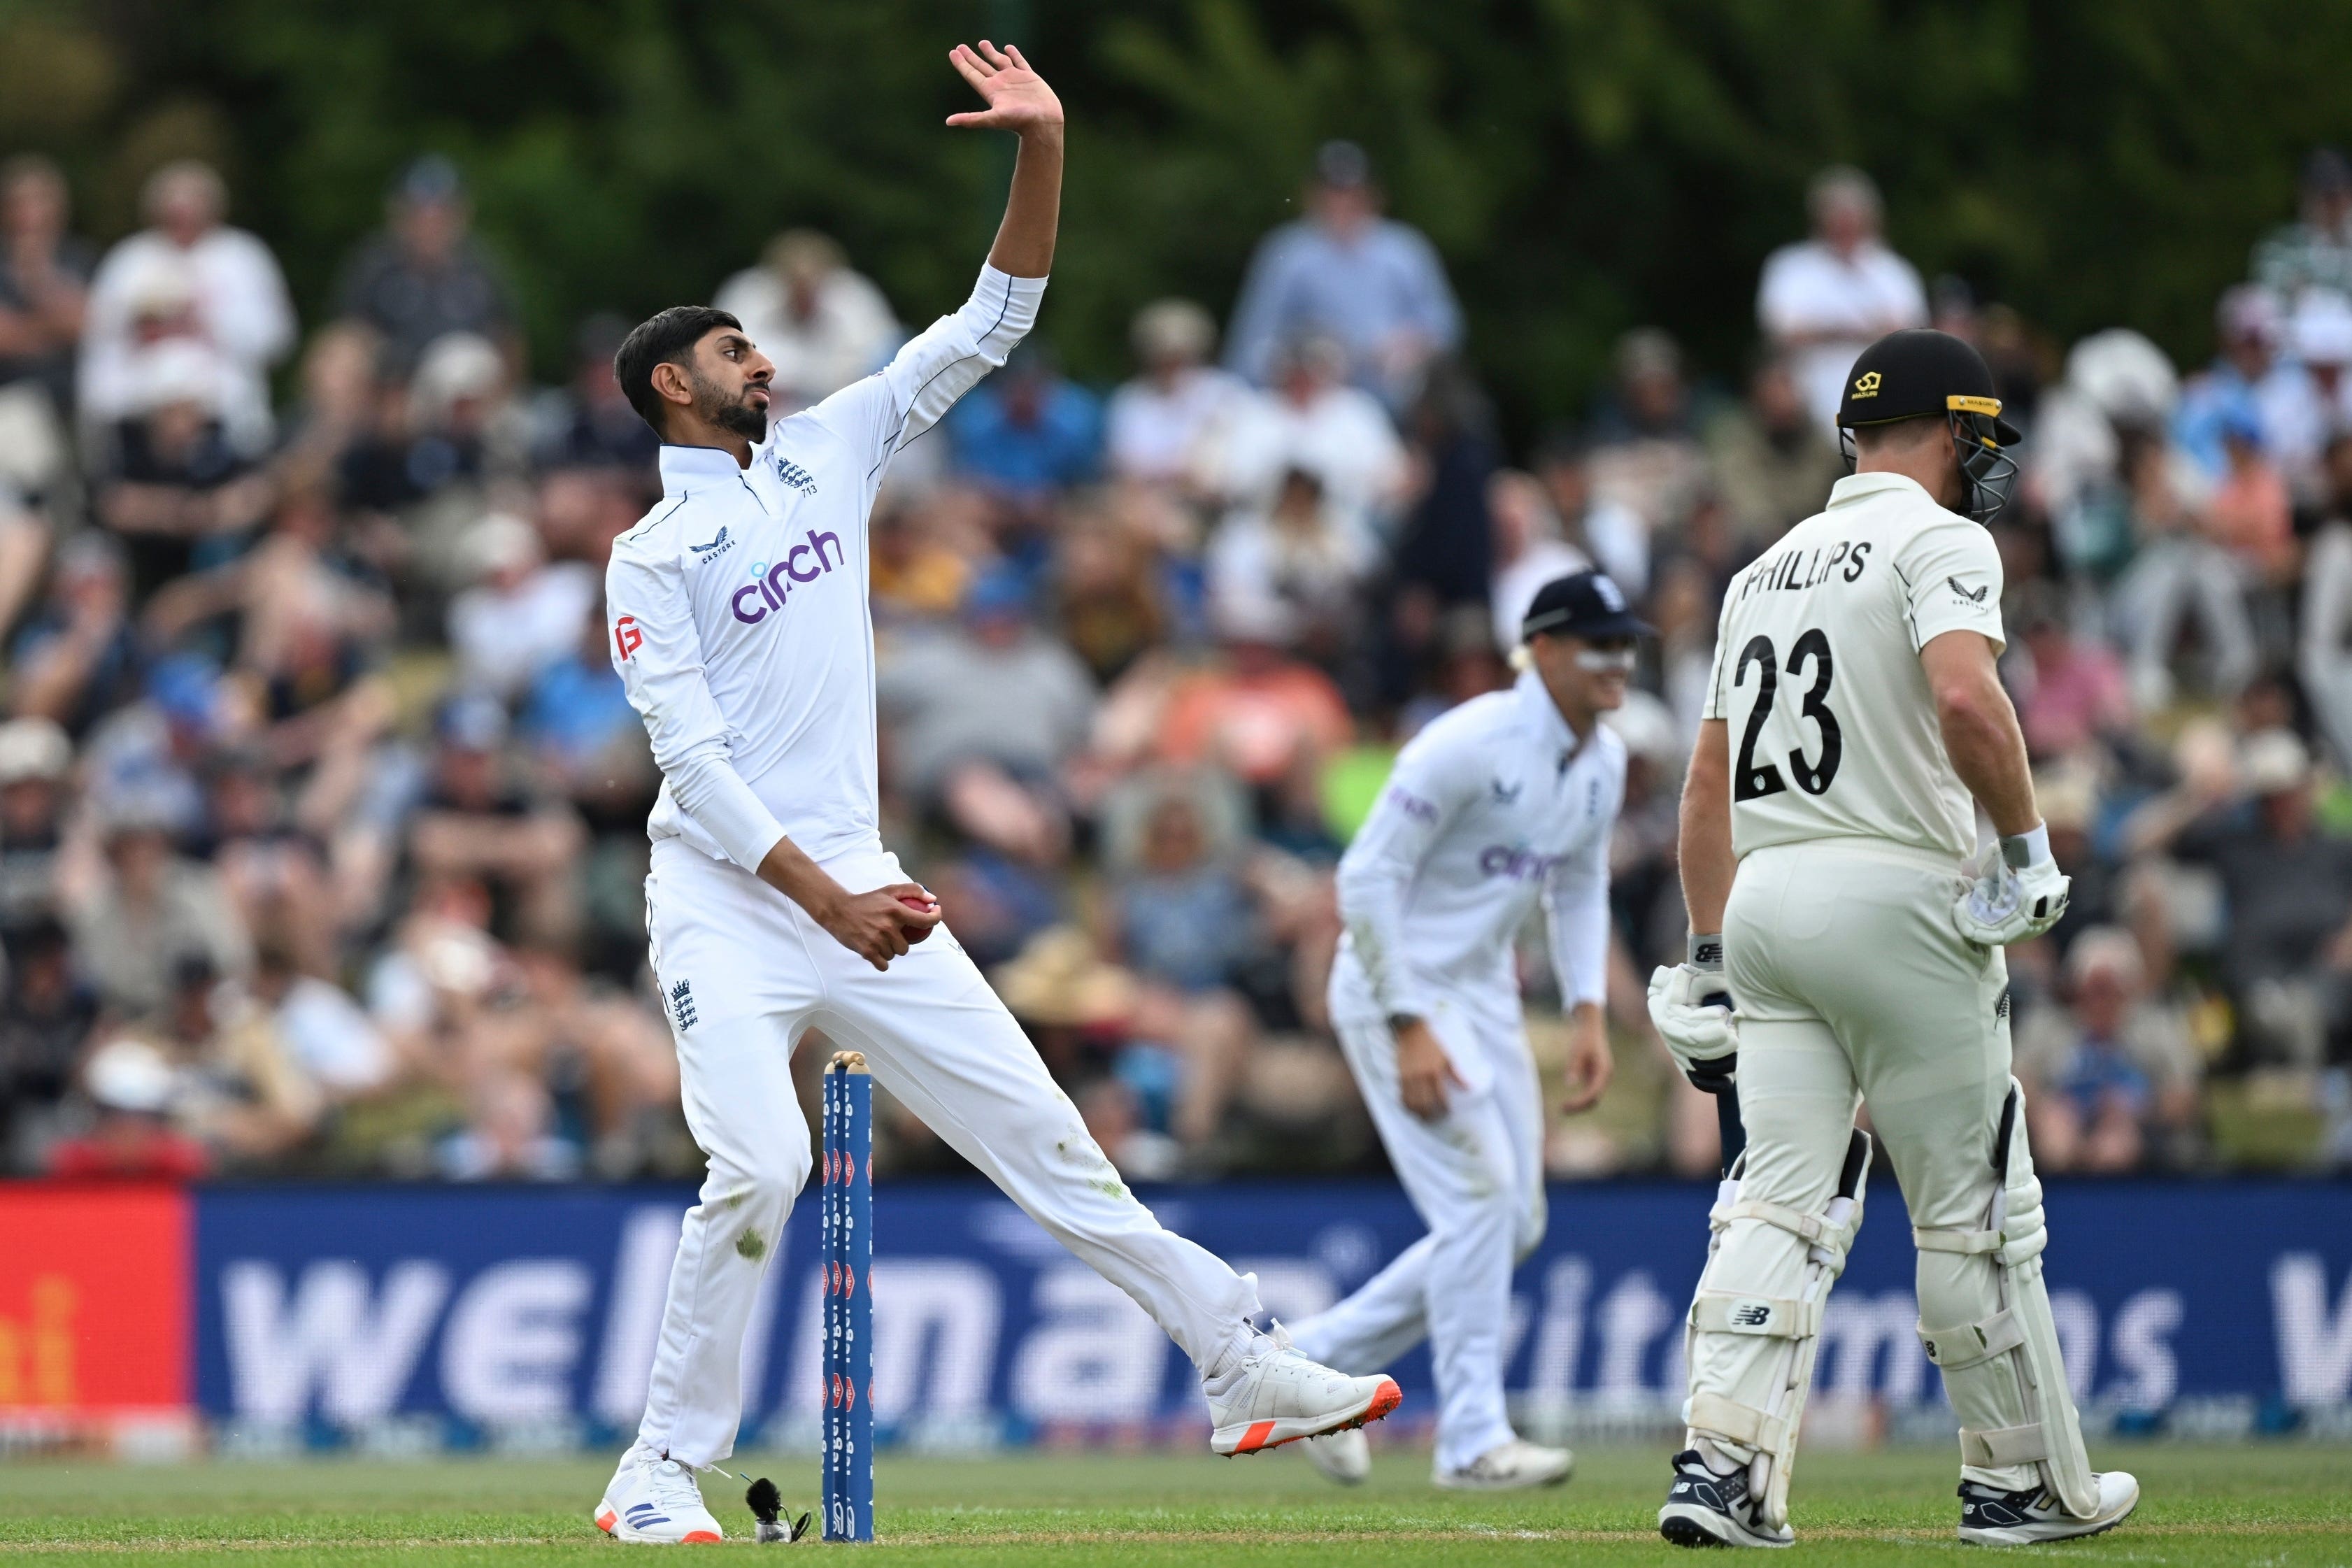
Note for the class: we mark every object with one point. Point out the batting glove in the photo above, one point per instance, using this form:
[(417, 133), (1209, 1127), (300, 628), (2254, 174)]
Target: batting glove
[(2021, 895), (1690, 1004)]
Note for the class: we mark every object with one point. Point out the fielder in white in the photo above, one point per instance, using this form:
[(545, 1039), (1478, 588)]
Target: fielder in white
[(1854, 723), (740, 627), (1504, 802)]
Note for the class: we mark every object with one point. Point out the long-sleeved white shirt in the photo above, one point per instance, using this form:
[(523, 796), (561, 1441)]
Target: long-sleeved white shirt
[(241, 307), (738, 607), (1493, 806)]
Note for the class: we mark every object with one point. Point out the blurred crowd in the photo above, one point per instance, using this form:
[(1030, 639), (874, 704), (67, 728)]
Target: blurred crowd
[(321, 810)]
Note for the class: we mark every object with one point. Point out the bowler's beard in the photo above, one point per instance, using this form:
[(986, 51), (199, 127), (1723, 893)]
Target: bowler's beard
[(735, 413)]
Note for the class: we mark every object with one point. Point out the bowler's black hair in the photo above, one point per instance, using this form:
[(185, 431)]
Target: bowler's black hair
[(666, 338)]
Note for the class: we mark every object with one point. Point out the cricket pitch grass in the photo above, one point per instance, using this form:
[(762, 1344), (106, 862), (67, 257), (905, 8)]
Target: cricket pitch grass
[(2276, 1506)]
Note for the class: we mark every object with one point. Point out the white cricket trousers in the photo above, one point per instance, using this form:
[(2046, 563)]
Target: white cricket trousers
[(744, 972), (1475, 1177), (1853, 988)]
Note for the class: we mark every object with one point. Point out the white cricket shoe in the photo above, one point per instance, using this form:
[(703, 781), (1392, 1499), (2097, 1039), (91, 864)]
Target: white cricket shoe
[(1345, 1456), (1991, 1517), (654, 1501), (1507, 1466), (1279, 1396)]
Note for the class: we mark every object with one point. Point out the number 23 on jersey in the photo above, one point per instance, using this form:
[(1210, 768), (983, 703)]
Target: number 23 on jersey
[(1752, 776)]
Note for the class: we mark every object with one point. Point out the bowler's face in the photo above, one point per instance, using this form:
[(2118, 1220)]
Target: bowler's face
[(736, 372)]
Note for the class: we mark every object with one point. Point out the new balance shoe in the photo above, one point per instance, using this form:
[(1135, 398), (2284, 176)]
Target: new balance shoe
[(1276, 1395), (1704, 1509), (1991, 1517), (654, 1501), (1345, 1456)]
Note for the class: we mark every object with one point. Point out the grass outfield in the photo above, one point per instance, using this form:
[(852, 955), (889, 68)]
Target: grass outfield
[(2279, 1506)]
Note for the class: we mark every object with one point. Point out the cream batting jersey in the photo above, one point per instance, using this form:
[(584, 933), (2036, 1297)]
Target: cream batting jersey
[(1834, 732)]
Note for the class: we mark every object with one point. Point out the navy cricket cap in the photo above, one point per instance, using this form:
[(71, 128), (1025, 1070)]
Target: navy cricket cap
[(1583, 604), (1921, 370)]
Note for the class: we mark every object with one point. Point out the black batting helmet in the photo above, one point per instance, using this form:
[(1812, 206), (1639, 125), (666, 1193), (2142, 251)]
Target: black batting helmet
[(1920, 373)]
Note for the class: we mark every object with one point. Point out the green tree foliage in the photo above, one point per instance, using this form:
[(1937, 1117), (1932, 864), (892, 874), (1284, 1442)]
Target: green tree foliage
[(1584, 165)]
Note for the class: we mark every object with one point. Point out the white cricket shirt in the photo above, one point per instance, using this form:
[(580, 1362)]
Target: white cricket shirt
[(1834, 732), (1493, 806), (738, 607)]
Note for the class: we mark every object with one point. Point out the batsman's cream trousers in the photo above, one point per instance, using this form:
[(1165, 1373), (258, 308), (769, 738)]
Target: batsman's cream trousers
[(1852, 987), (1475, 1177), (744, 973)]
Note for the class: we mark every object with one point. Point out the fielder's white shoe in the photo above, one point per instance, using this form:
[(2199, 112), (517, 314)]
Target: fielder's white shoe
[(1279, 1396), (654, 1501), (1991, 1517), (1507, 1466), (1345, 1456)]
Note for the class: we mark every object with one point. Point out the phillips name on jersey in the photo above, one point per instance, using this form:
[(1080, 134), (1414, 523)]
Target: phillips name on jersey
[(1832, 731)]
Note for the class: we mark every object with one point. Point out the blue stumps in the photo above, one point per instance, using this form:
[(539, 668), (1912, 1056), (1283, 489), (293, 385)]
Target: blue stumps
[(848, 1261)]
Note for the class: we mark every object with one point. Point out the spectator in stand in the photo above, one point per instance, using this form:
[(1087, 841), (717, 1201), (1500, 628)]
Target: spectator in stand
[(1027, 431), (1303, 552), (2072, 693), (1164, 426), (1446, 548), (2111, 1079), (307, 637), (2320, 334), (425, 274), (46, 1017), (591, 424), (1770, 458), (134, 1090), (35, 756), (1610, 532), (239, 1092), (2180, 609), (984, 720), (2323, 661), (153, 907), (1183, 922), (187, 276), (2286, 951), (482, 818), (576, 716), (1645, 455), (335, 410), (468, 443), (1822, 300), (2250, 513), (1258, 712), (1313, 420), (1528, 549), (2316, 251), (44, 294), (822, 324), (915, 577), (2249, 379), (323, 1033), (1372, 284), (77, 658), (178, 491), (1110, 582), (523, 612)]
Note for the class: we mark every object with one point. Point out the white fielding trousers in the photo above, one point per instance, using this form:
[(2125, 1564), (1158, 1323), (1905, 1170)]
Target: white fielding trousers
[(743, 973), (1475, 1177), (1853, 988)]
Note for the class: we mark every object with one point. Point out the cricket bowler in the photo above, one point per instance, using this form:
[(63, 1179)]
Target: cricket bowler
[(1502, 804), (742, 629), (1853, 724)]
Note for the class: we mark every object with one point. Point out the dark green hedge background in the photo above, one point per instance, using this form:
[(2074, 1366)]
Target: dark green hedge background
[(1585, 165)]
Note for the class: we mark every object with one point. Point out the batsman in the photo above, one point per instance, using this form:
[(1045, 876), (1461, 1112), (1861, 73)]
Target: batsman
[(1853, 724)]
